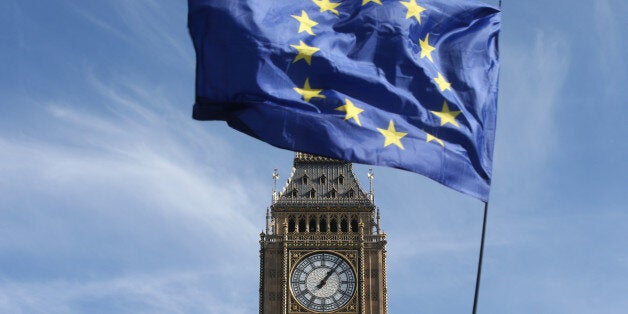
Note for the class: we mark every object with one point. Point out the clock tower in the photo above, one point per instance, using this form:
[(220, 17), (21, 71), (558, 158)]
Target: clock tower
[(323, 250)]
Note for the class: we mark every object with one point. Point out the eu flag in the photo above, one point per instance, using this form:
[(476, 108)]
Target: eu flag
[(407, 84)]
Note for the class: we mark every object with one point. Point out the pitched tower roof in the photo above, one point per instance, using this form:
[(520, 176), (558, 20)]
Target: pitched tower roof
[(321, 182)]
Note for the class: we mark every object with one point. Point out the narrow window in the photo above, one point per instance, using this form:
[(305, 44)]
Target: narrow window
[(304, 179), (351, 193), (341, 179), (323, 226), (302, 225), (312, 225), (294, 192), (323, 178), (344, 226), (312, 193), (354, 225), (291, 225), (332, 193), (333, 226)]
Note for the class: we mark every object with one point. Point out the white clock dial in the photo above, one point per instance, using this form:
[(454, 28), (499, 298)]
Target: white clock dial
[(323, 282)]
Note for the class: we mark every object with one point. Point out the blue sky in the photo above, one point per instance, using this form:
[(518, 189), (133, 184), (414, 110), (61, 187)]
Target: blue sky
[(113, 200)]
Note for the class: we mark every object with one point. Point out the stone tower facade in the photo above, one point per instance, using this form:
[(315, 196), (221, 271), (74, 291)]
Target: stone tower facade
[(323, 250)]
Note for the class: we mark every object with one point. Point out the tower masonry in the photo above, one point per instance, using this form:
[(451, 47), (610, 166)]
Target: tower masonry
[(323, 250)]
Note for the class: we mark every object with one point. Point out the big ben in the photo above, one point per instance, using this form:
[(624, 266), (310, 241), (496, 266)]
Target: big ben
[(323, 250)]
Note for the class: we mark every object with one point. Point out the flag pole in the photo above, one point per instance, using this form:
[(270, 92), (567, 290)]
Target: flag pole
[(477, 281)]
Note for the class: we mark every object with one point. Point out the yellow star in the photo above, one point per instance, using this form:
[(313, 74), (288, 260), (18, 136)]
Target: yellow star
[(307, 92), (414, 10), (351, 110), (364, 2), (305, 52), (305, 23), (447, 116), (426, 49), (327, 5), (443, 85), (391, 135), (431, 137)]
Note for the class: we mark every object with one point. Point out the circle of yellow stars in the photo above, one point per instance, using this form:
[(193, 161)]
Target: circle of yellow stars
[(391, 135)]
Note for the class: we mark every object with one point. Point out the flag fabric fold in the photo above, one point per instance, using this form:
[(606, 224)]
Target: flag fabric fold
[(405, 84)]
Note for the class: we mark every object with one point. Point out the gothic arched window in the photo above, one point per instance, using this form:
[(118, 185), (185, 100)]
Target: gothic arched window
[(354, 225), (344, 226), (291, 224), (323, 179), (323, 224), (302, 224), (333, 225), (312, 225)]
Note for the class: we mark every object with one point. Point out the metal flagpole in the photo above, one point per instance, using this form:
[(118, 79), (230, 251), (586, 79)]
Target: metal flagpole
[(477, 281)]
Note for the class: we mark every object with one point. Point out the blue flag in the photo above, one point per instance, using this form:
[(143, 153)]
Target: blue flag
[(406, 84)]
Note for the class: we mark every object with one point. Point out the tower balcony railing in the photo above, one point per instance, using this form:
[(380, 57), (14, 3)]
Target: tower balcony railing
[(375, 238), (321, 202), (324, 237)]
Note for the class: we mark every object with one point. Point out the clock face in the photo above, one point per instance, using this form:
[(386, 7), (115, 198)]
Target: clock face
[(323, 282)]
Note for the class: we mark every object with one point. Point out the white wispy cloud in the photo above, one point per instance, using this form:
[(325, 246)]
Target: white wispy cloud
[(134, 147), (150, 26), (180, 292), (112, 198), (609, 43), (532, 76), (134, 178)]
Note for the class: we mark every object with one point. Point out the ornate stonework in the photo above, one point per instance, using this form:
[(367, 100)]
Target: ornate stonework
[(322, 223)]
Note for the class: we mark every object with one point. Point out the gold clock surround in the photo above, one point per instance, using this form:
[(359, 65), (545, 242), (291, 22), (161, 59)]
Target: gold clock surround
[(349, 256)]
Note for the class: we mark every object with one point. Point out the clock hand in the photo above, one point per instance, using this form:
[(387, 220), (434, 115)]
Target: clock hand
[(331, 271)]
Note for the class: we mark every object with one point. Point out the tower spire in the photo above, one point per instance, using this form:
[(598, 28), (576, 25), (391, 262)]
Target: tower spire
[(268, 220), (371, 176), (275, 177), (377, 225)]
